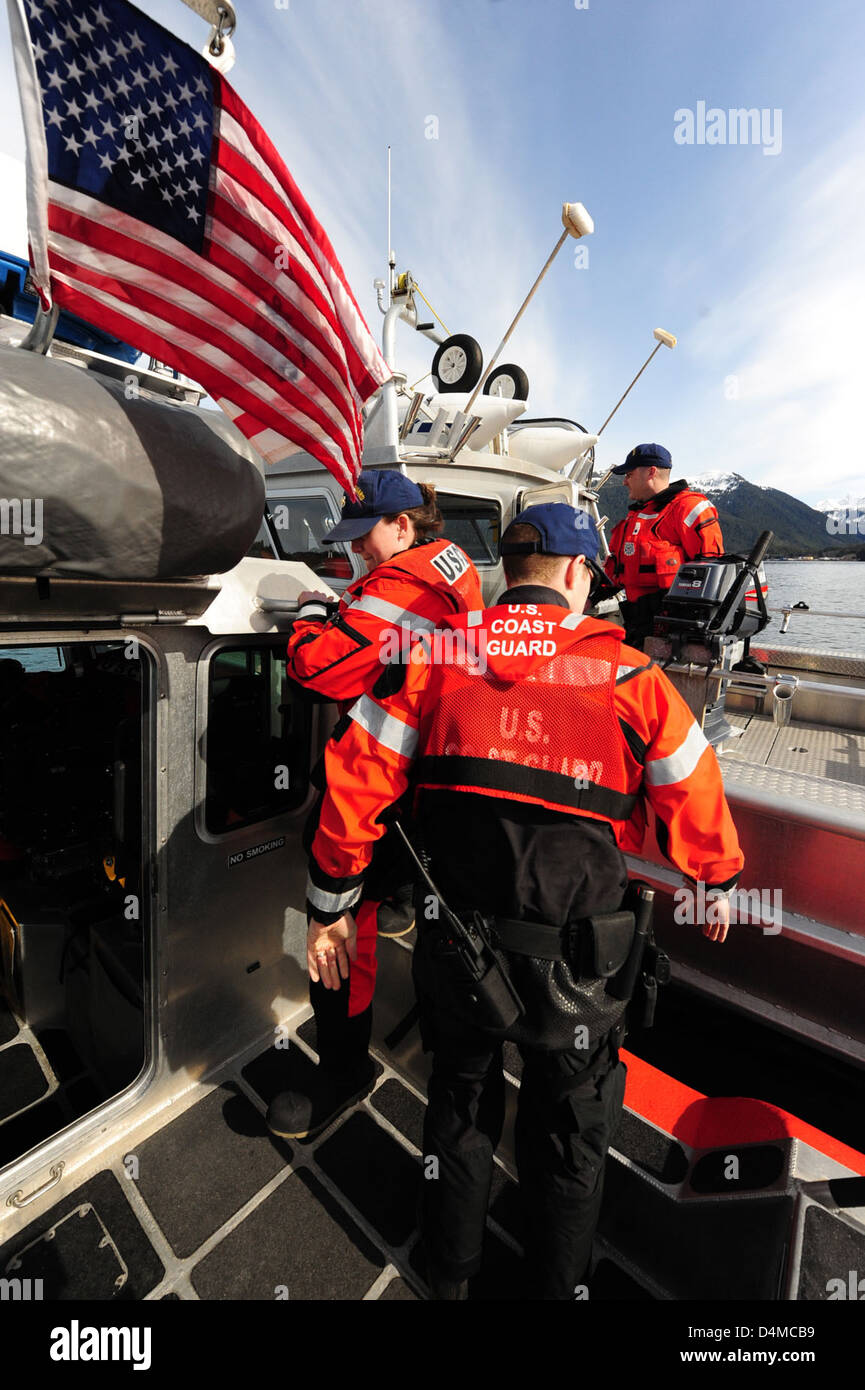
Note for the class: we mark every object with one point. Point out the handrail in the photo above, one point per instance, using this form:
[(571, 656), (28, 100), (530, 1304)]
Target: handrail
[(815, 613), (749, 678)]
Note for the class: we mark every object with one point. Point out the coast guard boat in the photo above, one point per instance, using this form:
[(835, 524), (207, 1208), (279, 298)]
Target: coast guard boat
[(152, 890), (152, 931)]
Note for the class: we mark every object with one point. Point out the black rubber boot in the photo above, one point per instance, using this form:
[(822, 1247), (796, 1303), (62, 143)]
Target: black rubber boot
[(345, 1074)]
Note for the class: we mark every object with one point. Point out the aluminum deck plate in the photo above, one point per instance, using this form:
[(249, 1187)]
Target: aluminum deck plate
[(808, 762)]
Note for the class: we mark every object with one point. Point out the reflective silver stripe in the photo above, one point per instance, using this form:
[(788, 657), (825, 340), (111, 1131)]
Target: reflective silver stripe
[(310, 611), (369, 603), (330, 902), (679, 765), (646, 516), (695, 512), (573, 620), (384, 728), (474, 618), (623, 671)]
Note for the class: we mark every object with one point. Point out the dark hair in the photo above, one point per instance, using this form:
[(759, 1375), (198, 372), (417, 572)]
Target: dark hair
[(532, 568), (427, 520)]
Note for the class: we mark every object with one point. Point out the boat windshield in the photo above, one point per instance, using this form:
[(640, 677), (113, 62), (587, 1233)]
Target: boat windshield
[(298, 523)]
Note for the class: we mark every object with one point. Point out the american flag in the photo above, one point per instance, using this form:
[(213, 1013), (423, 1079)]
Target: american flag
[(159, 209)]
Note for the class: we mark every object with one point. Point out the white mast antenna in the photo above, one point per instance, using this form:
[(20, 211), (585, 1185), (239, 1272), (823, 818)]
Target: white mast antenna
[(391, 258)]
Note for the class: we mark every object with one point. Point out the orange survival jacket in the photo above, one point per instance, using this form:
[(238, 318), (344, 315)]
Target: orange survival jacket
[(378, 614), (657, 536), (532, 703)]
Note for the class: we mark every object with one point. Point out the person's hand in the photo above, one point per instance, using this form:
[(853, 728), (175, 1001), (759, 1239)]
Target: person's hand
[(717, 918), (329, 950), (313, 596)]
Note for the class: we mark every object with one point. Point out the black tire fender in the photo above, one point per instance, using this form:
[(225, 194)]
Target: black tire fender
[(516, 385), (474, 362)]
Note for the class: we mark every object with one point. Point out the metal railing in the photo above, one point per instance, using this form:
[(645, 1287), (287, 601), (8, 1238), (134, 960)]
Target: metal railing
[(750, 680), (803, 611)]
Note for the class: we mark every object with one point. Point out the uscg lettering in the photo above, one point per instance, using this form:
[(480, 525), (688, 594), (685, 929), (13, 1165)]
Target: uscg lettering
[(451, 563)]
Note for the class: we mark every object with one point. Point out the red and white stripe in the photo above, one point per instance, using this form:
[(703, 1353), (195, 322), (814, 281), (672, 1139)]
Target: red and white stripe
[(285, 351)]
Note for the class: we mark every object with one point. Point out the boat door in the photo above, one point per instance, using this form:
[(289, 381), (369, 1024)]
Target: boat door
[(154, 786), (76, 743)]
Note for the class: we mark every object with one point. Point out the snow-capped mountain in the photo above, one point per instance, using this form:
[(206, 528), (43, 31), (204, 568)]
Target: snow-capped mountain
[(716, 481), (841, 504)]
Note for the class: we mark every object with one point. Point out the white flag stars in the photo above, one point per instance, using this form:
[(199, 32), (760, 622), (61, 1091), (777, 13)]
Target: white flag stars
[(167, 121)]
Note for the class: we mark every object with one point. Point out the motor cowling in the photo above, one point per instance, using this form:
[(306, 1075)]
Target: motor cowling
[(698, 605), (711, 611)]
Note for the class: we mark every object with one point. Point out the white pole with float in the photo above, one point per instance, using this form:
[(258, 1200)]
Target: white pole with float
[(664, 339), (577, 223)]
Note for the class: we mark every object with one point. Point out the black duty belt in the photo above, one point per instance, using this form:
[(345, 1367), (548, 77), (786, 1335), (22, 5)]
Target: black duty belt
[(597, 945), (537, 939)]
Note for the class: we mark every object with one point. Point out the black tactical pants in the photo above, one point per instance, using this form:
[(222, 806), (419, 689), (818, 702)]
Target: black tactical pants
[(565, 1121), (639, 617)]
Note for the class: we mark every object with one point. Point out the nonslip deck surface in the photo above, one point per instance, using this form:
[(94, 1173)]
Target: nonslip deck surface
[(213, 1207), (44, 1085), (810, 761), (227, 1211), (8, 1023)]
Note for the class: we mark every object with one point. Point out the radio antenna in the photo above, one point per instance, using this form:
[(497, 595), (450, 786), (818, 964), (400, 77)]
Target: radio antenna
[(391, 258)]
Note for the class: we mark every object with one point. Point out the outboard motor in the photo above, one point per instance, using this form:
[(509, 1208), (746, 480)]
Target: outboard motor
[(707, 619)]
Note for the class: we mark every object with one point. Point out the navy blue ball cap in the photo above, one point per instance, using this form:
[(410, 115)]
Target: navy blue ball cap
[(380, 492), (563, 530), (644, 454)]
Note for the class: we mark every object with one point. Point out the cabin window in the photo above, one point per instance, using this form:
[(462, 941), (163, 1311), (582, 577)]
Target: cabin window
[(298, 522), (257, 741), (475, 524), (262, 546)]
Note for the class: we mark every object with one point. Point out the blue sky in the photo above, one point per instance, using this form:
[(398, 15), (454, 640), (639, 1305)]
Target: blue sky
[(753, 260)]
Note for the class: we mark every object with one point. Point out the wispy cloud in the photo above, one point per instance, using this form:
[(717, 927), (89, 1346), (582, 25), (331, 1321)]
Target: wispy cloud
[(13, 214), (754, 262), (781, 359)]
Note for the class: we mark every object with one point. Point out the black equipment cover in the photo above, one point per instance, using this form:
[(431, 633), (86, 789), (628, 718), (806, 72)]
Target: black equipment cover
[(127, 488)]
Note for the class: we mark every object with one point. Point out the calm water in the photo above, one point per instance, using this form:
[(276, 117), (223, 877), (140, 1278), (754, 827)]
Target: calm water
[(832, 586)]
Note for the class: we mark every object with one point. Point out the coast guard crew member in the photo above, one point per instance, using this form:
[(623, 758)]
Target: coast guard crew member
[(413, 580), (533, 742), (666, 524)]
